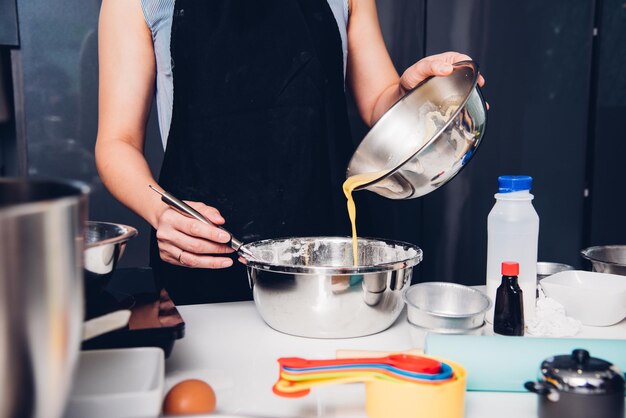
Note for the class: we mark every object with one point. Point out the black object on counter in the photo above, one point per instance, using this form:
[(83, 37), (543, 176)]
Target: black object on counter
[(154, 320), (508, 318), (579, 386)]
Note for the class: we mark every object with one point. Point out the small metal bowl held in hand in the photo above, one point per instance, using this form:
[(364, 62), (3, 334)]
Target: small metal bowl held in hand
[(426, 137), (309, 286)]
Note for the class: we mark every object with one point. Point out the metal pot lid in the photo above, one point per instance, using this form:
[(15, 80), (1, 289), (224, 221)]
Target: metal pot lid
[(580, 373)]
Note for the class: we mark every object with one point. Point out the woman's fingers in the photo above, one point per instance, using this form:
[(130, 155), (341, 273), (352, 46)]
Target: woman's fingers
[(433, 65), (193, 227), (186, 241), (209, 212), (191, 244), (174, 255), (423, 69)]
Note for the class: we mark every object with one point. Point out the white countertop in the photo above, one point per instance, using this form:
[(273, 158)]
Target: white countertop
[(229, 346)]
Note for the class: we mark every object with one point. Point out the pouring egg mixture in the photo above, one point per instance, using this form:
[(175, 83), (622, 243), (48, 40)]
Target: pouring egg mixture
[(434, 120)]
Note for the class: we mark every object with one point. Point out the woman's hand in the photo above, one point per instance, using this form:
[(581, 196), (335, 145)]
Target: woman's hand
[(185, 241), (371, 75), (433, 65)]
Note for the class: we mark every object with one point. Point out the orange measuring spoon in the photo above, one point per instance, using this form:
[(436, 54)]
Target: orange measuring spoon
[(406, 362)]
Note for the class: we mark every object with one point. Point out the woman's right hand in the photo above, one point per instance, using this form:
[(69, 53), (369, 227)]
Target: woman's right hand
[(187, 242)]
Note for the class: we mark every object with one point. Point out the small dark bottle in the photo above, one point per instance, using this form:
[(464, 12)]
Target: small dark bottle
[(508, 318)]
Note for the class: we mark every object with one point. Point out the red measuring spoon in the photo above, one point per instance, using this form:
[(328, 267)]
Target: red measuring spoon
[(406, 362)]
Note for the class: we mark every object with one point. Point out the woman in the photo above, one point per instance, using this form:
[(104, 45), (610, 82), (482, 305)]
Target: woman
[(255, 131)]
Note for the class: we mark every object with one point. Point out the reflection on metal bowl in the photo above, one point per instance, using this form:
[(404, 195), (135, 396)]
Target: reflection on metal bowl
[(105, 243), (545, 269), (41, 293), (426, 138), (308, 287), (446, 307), (607, 258), (419, 334)]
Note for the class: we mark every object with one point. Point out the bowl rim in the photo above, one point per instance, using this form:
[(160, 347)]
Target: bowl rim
[(77, 191), (554, 280), (449, 331), (436, 135), (336, 270), (585, 253), (411, 304), (129, 233)]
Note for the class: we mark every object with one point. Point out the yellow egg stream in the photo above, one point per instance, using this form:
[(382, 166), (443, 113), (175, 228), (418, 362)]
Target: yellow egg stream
[(349, 185)]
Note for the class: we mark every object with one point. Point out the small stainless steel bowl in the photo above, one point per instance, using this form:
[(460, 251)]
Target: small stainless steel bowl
[(104, 246), (426, 137), (446, 307), (309, 287), (105, 243), (546, 268), (607, 258)]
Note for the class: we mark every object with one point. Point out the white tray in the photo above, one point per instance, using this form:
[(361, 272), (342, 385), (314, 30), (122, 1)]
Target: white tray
[(118, 383)]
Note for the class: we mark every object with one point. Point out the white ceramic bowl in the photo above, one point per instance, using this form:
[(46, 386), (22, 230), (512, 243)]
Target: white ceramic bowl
[(596, 299)]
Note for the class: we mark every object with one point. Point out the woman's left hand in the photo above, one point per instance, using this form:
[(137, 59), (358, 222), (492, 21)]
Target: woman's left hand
[(439, 65), (372, 76)]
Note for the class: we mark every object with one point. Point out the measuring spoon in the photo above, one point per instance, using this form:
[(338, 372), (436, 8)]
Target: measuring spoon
[(301, 374), (407, 362)]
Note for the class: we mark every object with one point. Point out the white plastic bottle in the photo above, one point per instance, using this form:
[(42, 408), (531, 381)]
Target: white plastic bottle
[(513, 235)]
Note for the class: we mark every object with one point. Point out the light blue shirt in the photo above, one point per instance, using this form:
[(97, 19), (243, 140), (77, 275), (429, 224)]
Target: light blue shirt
[(158, 15)]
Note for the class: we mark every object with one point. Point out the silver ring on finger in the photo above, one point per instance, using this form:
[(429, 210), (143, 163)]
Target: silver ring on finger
[(180, 260)]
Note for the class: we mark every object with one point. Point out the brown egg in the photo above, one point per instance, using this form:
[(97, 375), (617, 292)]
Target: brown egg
[(188, 397)]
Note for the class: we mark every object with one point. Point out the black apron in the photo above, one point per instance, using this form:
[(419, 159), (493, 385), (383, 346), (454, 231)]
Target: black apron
[(259, 128)]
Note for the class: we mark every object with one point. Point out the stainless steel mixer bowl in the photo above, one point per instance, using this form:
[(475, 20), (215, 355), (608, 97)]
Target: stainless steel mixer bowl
[(607, 258), (446, 307), (411, 162), (41, 293), (309, 286)]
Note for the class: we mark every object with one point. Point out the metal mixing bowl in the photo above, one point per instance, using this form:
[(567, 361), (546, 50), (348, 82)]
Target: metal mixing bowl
[(41, 293), (104, 246), (545, 269), (414, 157), (309, 287), (105, 243), (607, 258), (446, 307)]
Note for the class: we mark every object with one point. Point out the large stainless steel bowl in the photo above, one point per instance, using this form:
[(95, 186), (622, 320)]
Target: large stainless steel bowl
[(309, 287), (41, 294), (607, 258), (412, 148)]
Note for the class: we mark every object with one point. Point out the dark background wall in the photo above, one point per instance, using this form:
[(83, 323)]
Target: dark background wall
[(536, 56), (607, 139), (557, 96)]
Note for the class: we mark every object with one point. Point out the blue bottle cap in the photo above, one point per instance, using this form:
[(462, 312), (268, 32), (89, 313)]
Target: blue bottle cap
[(508, 184)]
